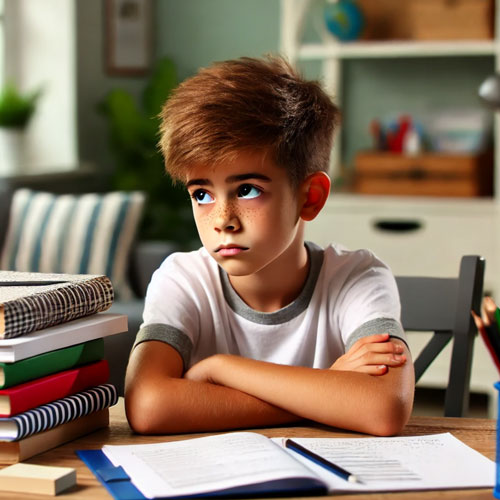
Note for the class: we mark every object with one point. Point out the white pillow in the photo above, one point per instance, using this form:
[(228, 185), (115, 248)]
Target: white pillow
[(76, 234)]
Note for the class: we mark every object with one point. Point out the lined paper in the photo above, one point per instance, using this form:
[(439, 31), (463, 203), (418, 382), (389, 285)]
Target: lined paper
[(438, 461)]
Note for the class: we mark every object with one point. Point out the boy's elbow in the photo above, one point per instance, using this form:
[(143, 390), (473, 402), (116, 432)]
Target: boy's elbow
[(394, 404), (391, 426), (140, 408), (391, 416), (147, 410)]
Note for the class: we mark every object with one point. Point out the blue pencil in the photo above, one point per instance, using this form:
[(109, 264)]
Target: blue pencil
[(336, 469)]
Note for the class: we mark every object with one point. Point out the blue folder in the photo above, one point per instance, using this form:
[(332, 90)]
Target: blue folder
[(120, 487), (114, 479)]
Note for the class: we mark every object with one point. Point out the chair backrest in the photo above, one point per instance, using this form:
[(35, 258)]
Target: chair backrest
[(443, 306)]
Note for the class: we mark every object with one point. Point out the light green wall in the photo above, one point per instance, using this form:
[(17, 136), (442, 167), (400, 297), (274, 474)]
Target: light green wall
[(195, 33), (191, 32), (94, 83)]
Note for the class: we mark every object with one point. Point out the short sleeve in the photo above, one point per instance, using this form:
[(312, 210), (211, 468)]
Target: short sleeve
[(369, 301), (171, 308)]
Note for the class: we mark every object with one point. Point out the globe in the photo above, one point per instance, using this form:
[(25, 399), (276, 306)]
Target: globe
[(344, 19)]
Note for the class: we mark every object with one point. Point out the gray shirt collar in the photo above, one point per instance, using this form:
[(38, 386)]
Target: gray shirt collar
[(288, 312)]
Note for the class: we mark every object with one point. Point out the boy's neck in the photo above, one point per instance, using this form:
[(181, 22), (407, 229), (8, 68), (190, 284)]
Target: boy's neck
[(278, 284)]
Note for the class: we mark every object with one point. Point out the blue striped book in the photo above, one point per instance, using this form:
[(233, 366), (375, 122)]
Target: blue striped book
[(58, 412)]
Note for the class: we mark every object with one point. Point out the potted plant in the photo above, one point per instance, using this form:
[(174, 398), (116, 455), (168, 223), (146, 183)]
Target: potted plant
[(134, 133), (16, 110)]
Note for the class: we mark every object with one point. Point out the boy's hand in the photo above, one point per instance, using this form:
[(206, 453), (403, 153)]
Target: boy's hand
[(200, 372), (372, 355)]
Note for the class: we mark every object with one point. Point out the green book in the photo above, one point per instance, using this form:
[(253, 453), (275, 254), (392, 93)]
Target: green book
[(50, 362)]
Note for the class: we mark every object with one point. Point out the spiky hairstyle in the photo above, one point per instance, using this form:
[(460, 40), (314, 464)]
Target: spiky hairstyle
[(248, 105)]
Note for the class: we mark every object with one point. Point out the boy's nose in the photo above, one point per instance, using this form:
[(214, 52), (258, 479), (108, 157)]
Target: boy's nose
[(227, 221)]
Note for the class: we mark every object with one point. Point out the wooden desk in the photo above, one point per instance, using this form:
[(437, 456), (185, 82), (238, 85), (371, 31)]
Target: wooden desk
[(477, 433)]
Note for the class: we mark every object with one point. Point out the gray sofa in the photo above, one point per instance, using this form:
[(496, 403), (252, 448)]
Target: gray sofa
[(144, 259)]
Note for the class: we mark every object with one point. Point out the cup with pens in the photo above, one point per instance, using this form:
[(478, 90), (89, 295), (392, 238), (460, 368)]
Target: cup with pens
[(489, 329)]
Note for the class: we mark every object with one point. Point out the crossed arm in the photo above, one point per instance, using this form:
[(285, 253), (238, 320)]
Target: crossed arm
[(369, 389)]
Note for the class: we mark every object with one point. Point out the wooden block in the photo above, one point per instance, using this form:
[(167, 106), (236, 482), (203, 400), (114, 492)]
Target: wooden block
[(432, 164), (42, 479), (451, 20), (430, 174), (428, 19), (460, 188)]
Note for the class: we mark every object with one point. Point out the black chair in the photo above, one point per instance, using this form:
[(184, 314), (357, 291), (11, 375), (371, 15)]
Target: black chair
[(443, 306)]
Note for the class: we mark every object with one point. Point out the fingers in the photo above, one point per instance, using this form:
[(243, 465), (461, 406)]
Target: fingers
[(374, 369), (374, 358), (374, 355), (366, 348), (375, 363), (370, 339)]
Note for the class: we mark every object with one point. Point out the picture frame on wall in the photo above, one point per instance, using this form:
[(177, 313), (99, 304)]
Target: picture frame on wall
[(129, 36)]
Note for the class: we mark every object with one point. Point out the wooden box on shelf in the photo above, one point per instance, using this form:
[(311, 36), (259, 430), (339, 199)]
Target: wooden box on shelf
[(428, 19), (430, 174), (451, 19)]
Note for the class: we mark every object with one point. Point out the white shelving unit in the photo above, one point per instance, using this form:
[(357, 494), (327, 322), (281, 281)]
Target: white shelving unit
[(331, 53), (395, 49), (449, 228)]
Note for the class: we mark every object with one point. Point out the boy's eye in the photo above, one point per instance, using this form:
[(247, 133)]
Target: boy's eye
[(202, 197), (248, 191)]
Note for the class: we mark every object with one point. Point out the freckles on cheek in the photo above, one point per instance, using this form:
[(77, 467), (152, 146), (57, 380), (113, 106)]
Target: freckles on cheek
[(249, 214), (207, 217), (201, 218)]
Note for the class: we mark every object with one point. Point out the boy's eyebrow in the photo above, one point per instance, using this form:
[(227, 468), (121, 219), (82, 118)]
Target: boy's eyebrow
[(230, 179), (198, 182), (250, 175)]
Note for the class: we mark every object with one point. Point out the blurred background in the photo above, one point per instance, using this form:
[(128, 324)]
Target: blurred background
[(406, 75), (414, 161)]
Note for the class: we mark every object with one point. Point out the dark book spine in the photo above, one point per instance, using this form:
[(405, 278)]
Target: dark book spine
[(63, 410)]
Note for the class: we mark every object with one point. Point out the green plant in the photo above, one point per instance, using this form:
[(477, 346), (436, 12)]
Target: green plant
[(16, 109), (133, 132)]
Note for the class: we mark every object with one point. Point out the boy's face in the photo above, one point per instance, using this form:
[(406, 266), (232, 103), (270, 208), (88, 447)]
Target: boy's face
[(246, 212)]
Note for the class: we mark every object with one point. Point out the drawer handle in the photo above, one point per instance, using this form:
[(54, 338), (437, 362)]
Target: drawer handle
[(398, 226)]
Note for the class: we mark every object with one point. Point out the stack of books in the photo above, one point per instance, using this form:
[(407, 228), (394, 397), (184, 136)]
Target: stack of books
[(53, 375)]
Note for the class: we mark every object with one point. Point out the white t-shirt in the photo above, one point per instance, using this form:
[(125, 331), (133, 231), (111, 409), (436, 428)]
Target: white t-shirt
[(191, 305)]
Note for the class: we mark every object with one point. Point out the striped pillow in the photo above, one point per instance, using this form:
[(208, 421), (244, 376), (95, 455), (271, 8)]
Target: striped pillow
[(74, 234)]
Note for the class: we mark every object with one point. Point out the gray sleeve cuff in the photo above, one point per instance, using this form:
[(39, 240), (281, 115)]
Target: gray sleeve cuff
[(170, 335), (378, 325)]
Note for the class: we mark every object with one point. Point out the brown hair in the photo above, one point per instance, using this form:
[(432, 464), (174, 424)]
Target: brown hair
[(248, 104)]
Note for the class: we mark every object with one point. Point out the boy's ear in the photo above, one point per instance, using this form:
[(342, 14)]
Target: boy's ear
[(315, 189)]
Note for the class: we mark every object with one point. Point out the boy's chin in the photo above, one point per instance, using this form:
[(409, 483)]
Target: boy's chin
[(236, 268), (236, 271)]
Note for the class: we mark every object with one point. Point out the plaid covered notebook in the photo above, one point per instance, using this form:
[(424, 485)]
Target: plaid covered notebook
[(33, 301)]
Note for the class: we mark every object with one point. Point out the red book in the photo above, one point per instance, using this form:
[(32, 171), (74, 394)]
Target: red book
[(43, 390)]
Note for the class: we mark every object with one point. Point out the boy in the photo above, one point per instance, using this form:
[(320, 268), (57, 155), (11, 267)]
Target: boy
[(258, 327)]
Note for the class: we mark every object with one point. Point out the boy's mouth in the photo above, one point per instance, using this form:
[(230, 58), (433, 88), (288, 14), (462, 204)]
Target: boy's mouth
[(229, 250)]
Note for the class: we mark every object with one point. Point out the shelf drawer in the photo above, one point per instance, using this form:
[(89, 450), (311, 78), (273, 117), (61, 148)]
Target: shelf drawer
[(413, 238)]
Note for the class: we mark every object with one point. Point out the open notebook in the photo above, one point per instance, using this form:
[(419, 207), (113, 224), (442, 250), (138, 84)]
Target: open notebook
[(247, 463)]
